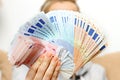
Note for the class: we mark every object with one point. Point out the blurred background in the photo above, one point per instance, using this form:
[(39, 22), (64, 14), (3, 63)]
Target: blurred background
[(105, 14)]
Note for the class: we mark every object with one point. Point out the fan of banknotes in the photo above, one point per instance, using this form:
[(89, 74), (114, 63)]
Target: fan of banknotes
[(65, 33)]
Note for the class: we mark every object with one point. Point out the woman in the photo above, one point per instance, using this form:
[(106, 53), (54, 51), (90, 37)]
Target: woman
[(48, 68), (42, 70), (87, 70)]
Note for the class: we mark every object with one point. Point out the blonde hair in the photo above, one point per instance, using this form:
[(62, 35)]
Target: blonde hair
[(45, 7)]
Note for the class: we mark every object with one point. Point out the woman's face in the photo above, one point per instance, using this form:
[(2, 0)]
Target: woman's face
[(65, 5)]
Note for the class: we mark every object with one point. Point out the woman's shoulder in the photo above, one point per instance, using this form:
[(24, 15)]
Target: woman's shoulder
[(1, 51), (5, 66), (3, 55)]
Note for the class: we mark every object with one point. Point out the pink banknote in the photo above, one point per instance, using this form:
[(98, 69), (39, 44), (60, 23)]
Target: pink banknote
[(25, 50)]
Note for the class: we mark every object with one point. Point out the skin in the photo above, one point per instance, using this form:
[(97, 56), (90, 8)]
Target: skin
[(65, 5), (47, 66)]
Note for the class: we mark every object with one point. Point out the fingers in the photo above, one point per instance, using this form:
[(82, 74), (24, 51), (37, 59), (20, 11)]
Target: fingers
[(43, 67), (32, 71), (50, 71), (56, 71)]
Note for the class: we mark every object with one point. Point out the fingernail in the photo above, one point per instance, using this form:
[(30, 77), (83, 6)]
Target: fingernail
[(42, 56), (58, 64), (55, 58), (49, 54)]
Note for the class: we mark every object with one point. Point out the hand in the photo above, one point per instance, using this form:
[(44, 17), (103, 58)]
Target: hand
[(45, 68)]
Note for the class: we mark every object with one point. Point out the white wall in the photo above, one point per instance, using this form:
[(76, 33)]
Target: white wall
[(105, 13)]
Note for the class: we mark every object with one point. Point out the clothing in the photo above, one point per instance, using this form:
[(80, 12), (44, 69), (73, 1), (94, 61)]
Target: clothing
[(19, 73), (91, 71)]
